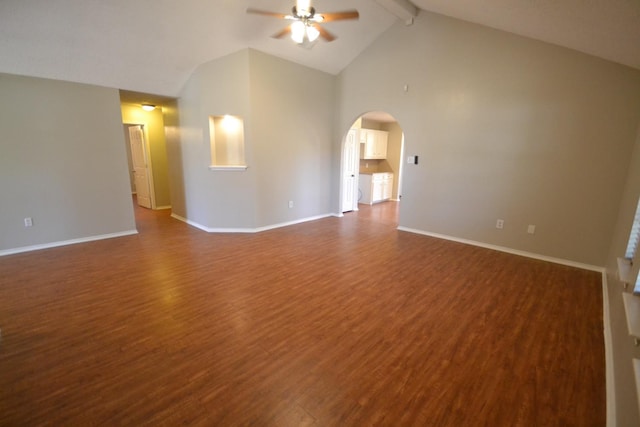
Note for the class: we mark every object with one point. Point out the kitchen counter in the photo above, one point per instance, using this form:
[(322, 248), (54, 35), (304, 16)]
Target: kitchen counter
[(375, 187)]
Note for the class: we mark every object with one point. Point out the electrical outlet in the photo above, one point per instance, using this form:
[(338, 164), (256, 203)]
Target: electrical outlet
[(531, 229), (290, 204), (28, 222), (500, 224)]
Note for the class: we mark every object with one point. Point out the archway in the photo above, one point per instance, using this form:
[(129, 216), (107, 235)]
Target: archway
[(371, 170)]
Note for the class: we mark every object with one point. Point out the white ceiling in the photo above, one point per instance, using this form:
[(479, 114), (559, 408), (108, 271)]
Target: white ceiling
[(153, 46), (609, 29)]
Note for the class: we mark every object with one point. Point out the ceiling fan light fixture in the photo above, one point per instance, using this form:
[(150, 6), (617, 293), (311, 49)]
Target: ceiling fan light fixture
[(302, 31), (305, 28), (312, 33), (298, 31)]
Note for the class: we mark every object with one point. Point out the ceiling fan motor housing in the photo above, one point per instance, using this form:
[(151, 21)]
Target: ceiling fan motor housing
[(309, 15)]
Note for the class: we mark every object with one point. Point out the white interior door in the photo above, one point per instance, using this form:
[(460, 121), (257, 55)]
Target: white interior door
[(140, 165), (350, 175)]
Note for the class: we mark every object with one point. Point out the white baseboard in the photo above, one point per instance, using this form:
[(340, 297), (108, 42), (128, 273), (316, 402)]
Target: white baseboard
[(608, 354), (191, 223), (298, 221), (569, 263), (247, 230), (160, 208), (65, 243)]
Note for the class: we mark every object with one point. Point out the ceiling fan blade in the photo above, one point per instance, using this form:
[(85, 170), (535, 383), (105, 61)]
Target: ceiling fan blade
[(281, 34), (339, 16), (324, 33), (266, 13)]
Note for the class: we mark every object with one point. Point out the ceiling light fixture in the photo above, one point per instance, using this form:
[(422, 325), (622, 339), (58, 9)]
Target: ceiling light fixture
[(148, 107), (305, 28), (302, 31), (312, 33)]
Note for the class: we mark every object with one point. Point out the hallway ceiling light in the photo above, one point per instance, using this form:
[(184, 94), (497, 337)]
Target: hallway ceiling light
[(148, 107)]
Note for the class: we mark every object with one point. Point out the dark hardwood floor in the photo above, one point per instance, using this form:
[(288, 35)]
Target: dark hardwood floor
[(335, 322)]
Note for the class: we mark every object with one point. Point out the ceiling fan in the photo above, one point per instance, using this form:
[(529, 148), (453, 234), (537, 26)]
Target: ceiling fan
[(306, 27)]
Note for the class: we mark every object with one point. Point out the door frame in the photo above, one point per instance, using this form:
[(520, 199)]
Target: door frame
[(147, 154), (343, 168)]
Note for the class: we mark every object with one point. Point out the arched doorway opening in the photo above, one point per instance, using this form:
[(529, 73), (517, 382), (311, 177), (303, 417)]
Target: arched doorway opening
[(372, 153)]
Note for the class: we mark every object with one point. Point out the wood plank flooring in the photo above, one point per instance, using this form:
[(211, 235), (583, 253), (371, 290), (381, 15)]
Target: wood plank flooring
[(335, 322)]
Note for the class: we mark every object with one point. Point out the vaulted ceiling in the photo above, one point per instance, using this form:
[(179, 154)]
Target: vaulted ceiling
[(153, 46)]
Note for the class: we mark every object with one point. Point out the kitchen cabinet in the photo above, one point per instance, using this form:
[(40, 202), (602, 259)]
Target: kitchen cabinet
[(376, 187), (373, 144)]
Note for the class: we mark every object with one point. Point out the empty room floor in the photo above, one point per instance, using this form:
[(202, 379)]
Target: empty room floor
[(335, 322)]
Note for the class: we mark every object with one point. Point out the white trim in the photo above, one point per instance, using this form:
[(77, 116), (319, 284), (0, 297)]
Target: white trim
[(608, 354), (248, 230), (636, 374), (298, 221), (632, 311), (508, 250), (625, 273), (160, 208), (189, 222), (234, 168), (66, 242)]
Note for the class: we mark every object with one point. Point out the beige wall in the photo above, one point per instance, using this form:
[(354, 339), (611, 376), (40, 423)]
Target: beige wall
[(288, 116), (370, 124), (62, 162), (291, 139), (213, 199), (505, 127), (394, 148), (174, 156), (153, 122)]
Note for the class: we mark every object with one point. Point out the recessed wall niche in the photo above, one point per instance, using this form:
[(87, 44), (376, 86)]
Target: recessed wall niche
[(226, 135)]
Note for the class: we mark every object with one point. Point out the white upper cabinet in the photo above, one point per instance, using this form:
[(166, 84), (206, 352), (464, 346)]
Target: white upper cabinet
[(374, 144)]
